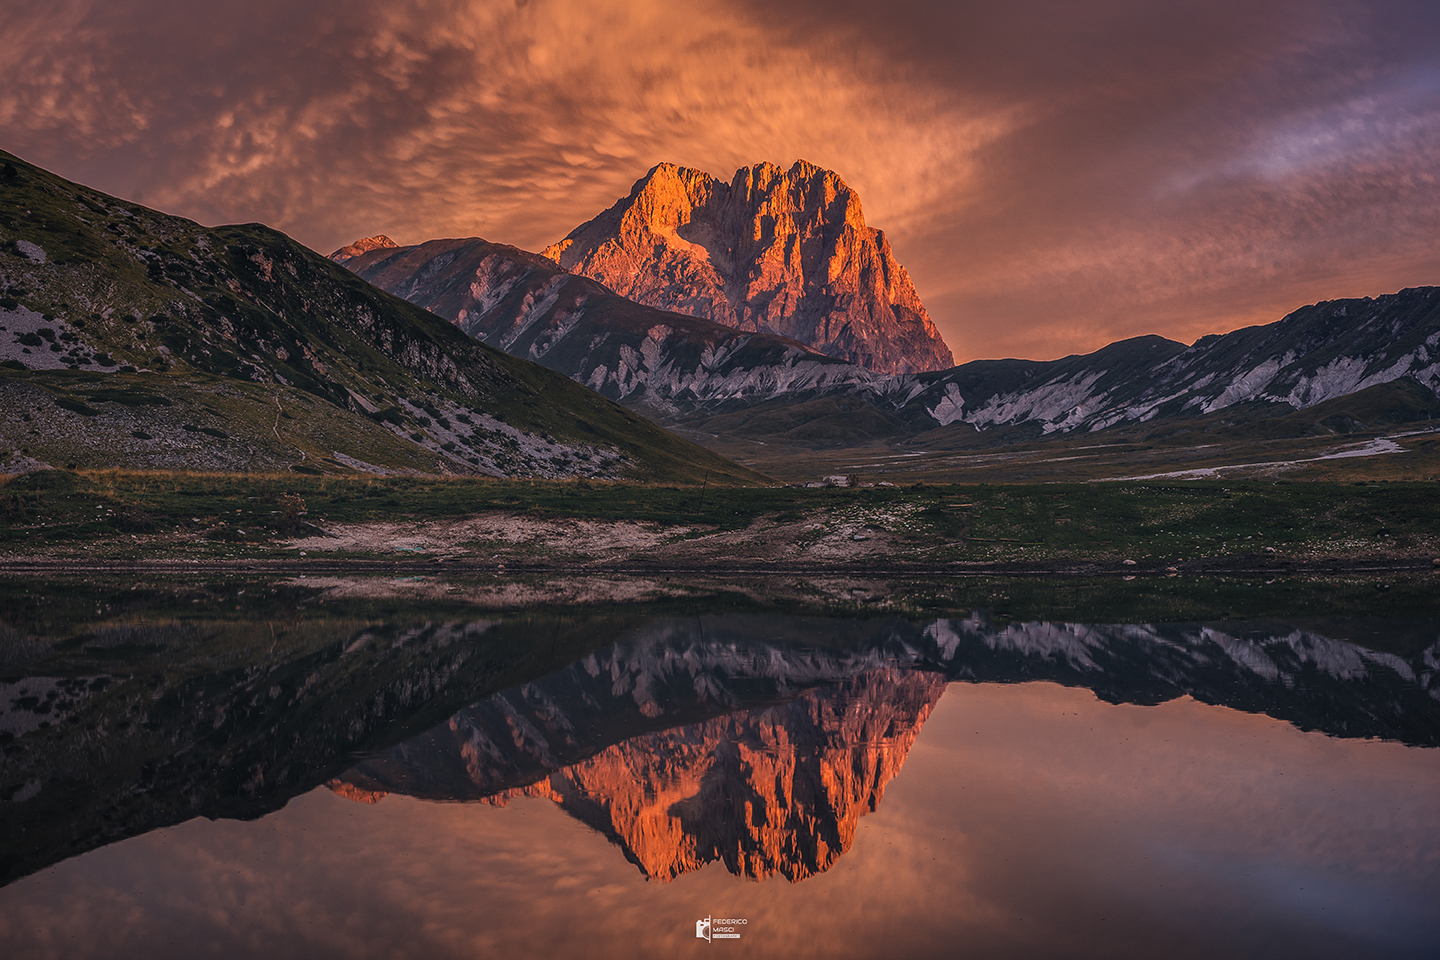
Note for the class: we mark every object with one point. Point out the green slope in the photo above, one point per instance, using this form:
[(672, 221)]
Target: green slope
[(237, 348)]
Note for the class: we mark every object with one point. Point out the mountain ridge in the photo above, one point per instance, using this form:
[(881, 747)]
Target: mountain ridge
[(660, 361), (132, 338), (708, 378)]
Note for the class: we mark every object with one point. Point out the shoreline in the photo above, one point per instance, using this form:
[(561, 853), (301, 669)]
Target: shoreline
[(381, 567)]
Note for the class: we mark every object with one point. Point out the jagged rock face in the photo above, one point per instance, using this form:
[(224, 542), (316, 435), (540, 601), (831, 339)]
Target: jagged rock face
[(773, 251), (365, 245), (776, 791)]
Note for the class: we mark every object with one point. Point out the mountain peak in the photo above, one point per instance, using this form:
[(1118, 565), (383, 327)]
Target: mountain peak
[(805, 170), (776, 251), (380, 242)]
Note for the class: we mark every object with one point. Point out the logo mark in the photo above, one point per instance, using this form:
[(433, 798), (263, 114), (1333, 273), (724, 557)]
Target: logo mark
[(712, 929)]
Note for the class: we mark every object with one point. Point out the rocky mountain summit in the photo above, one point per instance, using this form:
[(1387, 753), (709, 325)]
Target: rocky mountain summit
[(365, 245), (784, 252), (806, 771)]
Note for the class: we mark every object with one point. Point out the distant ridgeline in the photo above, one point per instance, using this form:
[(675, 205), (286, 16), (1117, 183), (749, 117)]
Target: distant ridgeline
[(1383, 353), (136, 339)]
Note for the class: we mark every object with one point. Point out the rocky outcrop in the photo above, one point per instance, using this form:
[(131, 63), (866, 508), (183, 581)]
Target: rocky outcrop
[(776, 251), (365, 245)]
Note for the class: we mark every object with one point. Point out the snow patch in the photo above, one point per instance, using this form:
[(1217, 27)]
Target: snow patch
[(554, 333), (943, 635), (1245, 653), (356, 464), (38, 354), (30, 703), (1060, 404), (1337, 378), (1245, 386), (950, 408)]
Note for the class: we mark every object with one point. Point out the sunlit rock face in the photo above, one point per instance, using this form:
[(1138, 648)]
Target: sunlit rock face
[(350, 792), (774, 251), (381, 242), (777, 791)]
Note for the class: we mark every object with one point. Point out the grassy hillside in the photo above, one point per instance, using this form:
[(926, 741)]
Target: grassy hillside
[(237, 348)]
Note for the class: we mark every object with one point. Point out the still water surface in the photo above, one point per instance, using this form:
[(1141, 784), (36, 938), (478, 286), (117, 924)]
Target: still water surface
[(845, 787)]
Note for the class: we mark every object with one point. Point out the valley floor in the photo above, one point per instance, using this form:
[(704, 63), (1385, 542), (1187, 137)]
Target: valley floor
[(60, 520), (1408, 454)]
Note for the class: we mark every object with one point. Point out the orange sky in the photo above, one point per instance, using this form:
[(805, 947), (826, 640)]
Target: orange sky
[(1054, 174)]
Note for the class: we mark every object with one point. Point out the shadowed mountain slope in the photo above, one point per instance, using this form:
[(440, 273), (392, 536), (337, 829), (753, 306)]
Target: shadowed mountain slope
[(133, 338), (663, 362), (1326, 369)]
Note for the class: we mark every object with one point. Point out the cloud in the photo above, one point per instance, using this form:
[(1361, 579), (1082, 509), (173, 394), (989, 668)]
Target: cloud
[(1053, 174), (426, 118)]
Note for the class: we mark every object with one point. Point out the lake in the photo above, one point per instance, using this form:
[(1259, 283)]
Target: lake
[(245, 768)]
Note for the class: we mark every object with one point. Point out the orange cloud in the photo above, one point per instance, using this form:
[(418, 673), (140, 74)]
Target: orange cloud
[(1054, 175)]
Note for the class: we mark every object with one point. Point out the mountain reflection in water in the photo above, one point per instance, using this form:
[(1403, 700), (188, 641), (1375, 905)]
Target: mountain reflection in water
[(698, 741), (166, 772), (768, 791)]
